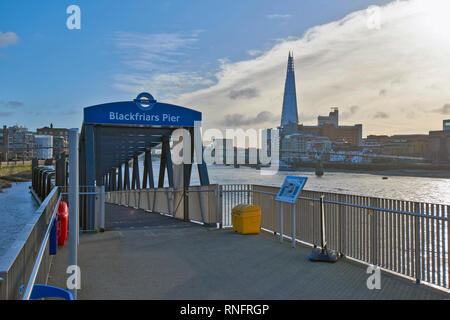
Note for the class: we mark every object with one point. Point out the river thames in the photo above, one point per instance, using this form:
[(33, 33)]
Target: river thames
[(17, 205), (396, 187)]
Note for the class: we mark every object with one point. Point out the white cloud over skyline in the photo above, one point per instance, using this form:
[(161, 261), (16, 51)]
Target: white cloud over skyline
[(397, 75)]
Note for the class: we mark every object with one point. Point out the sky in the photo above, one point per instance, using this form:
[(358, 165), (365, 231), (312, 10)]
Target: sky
[(385, 64)]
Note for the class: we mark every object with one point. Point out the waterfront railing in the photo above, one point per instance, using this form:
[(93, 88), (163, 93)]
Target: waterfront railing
[(28, 260), (405, 237)]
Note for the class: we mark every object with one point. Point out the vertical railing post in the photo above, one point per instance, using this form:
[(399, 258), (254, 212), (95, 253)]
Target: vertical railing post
[(219, 214), (342, 226), (448, 247), (322, 222), (102, 208), (417, 255), (281, 222), (293, 224), (373, 238), (73, 204)]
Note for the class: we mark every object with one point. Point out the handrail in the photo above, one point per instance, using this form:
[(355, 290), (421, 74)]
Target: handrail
[(410, 238), (401, 236), (414, 214), (386, 210), (29, 288)]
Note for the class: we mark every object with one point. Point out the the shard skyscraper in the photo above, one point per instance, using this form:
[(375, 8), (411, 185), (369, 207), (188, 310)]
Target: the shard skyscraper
[(289, 116)]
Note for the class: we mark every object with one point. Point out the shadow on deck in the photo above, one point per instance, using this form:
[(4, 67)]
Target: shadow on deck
[(149, 256)]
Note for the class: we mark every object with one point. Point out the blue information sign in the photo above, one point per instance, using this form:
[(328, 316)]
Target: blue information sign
[(142, 111), (291, 188)]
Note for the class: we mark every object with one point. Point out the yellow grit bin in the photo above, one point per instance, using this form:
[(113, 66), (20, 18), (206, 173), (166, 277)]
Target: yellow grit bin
[(246, 219)]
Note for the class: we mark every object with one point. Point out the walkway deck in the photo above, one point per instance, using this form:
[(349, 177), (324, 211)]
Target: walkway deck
[(149, 256)]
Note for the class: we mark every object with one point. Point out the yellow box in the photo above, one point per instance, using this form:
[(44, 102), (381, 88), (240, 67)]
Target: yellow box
[(246, 219)]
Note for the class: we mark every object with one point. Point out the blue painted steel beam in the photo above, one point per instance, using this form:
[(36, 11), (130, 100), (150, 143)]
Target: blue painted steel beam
[(148, 171), (127, 176), (169, 164), (162, 168), (120, 176), (136, 184)]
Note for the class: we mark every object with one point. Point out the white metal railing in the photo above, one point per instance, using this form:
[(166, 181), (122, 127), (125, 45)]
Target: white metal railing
[(405, 237), (232, 195), (408, 238), (202, 202), (42, 250), (27, 261)]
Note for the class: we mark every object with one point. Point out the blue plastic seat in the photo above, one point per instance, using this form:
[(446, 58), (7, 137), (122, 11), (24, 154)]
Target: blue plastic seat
[(42, 291)]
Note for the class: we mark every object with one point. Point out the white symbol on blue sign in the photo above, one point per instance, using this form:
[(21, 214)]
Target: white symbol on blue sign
[(291, 189), (145, 101)]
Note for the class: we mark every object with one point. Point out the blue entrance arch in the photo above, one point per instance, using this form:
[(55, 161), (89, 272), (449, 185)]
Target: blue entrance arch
[(113, 134)]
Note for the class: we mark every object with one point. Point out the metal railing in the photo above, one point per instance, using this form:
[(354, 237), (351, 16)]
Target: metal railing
[(232, 195), (42, 250), (200, 202), (28, 260), (42, 181), (406, 237), (87, 199)]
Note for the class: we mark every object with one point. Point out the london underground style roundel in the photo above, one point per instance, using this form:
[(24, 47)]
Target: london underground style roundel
[(145, 101), (142, 111)]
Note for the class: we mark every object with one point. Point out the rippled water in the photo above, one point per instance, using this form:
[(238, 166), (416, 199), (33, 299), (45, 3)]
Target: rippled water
[(16, 209), (420, 189), (396, 187)]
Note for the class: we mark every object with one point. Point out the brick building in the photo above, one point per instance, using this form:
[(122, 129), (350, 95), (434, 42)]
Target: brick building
[(328, 126)]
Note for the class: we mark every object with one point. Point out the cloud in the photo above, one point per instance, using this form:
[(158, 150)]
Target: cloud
[(278, 16), (6, 114), (147, 51), (382, 92), (162, 85), (247, 93), (241, 120), (254, 52), (445, 109), (8, 39), (350, 112), (153, 61), (381, 115), (342, 63), (12, 103)]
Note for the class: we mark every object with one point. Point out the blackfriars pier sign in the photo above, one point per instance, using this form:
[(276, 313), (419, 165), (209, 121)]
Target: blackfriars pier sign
[(137, 113)]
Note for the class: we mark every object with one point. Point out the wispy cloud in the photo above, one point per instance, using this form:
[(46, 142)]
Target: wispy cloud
[(246, 93), (349, 112), (149, 51), (153, 63), (381, 115), (444, 110), (278, 16), (242, 120), (254, 52), (8, 39), (345, 63), (165, 85), (11, 103)]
